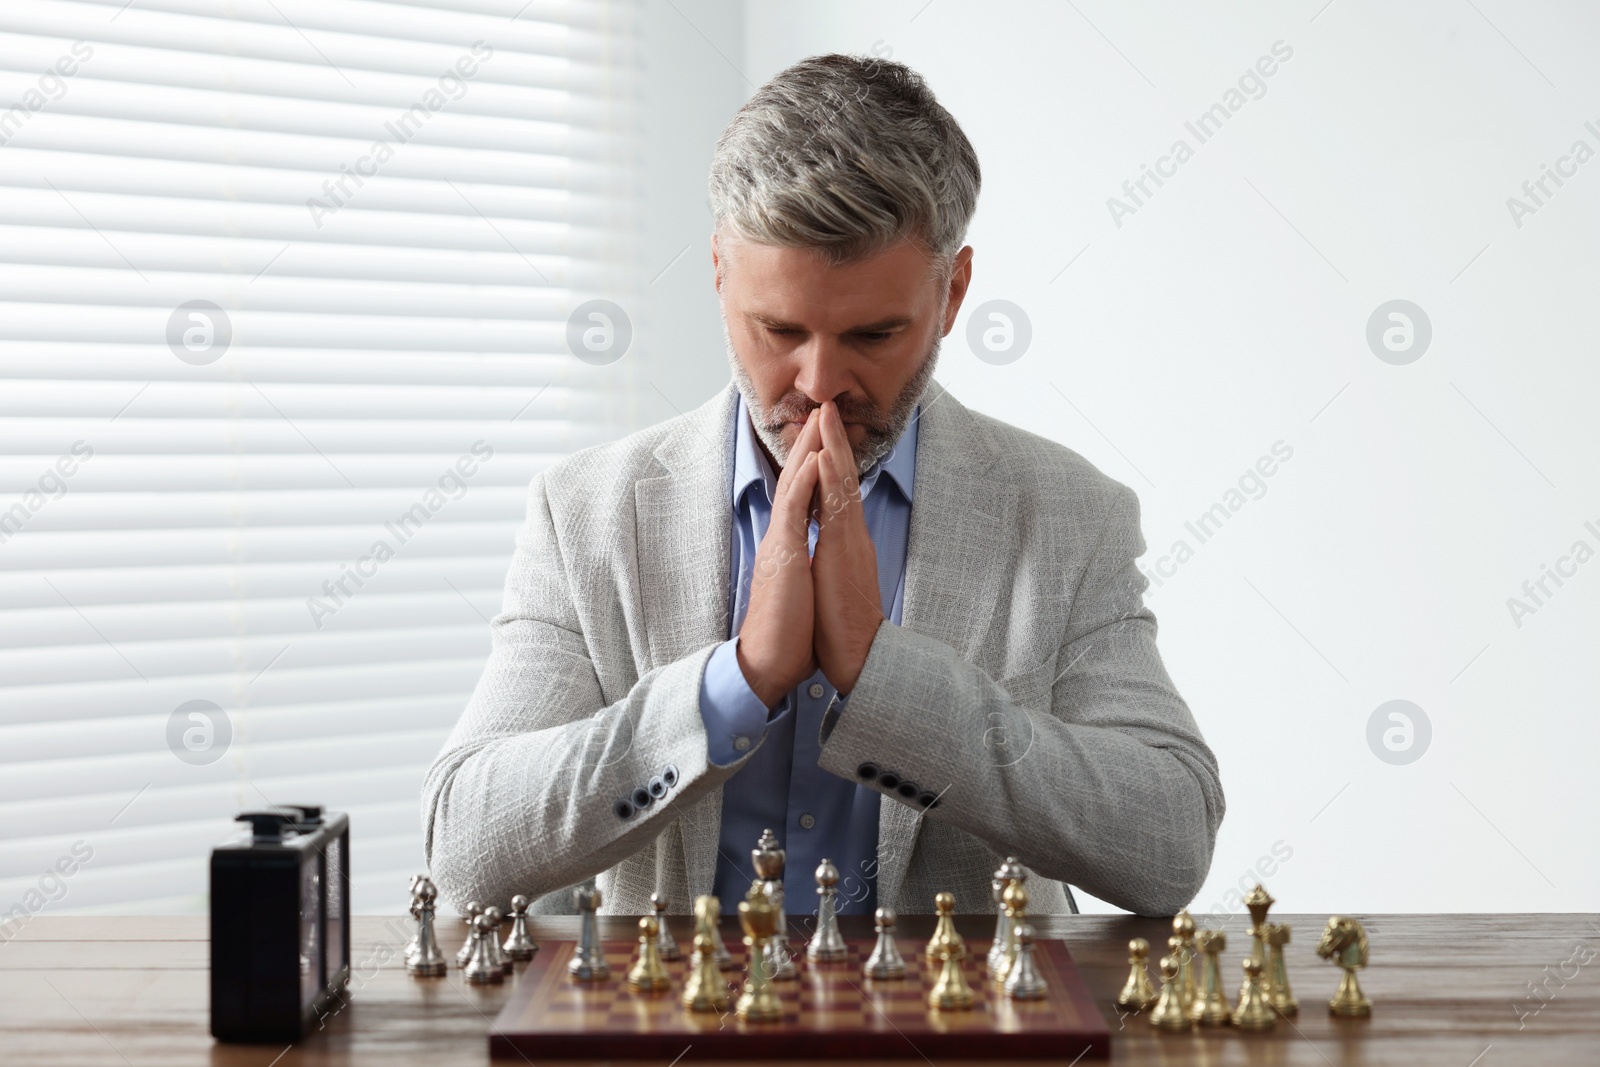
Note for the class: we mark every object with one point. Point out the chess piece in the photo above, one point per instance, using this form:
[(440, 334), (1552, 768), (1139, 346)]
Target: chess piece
[(416, 913), (1253, 1011), (759, 917), (1276, 982), (475, 909), (827, 944), (519, 944), (1007, 872), (482, 967), (1023, 980), (1015, 899), (944, 930), (1344, 941), (1184, 953), (950, 991), (648, 974), (588, 963), (1169, 1013), (1258, 901), (885, 962), (768, 859), (705, 991), (471, 911), (496, 953), (1210, 1007), (1137, 993), (427, 961), (707, 913), (666, 944)]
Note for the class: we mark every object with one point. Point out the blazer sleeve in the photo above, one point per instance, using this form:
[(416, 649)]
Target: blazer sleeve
[(538, 786), (1112, 789)]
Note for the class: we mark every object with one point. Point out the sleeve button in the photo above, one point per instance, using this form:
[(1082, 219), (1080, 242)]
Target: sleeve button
[(623, 808), (657, 787), (641, 798), (889, 780), (670, 775), (908, 789), (867, 772), (926, 798)]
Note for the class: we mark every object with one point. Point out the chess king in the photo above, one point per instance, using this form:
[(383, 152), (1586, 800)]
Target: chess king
[(832, 599)]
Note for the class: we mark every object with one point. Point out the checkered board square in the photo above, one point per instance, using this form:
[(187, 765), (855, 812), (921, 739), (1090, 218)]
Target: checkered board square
[(829, 1010)]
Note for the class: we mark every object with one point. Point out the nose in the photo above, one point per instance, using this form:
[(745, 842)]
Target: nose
[(824, 369)]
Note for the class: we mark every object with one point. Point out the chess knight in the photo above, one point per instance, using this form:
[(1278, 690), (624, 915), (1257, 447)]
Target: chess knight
[(831, 581)]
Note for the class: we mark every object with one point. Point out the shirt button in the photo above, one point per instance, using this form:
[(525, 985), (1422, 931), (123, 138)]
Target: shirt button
[(816, 690), (807, 821), (741, 743)]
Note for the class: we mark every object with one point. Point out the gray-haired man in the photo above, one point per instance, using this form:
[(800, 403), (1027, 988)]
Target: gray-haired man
[(831, 601)]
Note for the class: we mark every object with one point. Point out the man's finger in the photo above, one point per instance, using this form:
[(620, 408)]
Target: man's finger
[(807, 442), (790, 507)]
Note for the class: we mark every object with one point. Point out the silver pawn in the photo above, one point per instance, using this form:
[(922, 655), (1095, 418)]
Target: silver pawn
[(768, 859), (482, 968), (1023, 981), (1008, 870), (474, 909), (827, 944), (519, 944), (427, 961), (588, 963), (496, 953), (416, 913), (666, 944), (885, 961)]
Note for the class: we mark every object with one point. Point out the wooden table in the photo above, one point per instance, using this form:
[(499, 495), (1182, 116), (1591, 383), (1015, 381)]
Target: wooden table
[(1446, 989)]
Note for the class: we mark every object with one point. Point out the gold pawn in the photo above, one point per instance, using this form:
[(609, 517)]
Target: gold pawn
[(944, 931), (649, 974), (1169, 1014), (1015, 900), (950, 992), (1253, 1012), (705, 991), (1137, 993), (1210, 1007)]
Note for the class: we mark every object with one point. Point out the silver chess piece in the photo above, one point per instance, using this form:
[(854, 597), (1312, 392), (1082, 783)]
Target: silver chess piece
[(1023, 981), (427, 961), (1007, 870), (482, 968), (496, 953), (474, 909), (519, 944), (768, 859), (885, 961), (416, 913), (588, 963), (666, 944), (827, 944)]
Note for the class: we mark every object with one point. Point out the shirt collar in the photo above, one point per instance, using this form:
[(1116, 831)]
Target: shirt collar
[(750, 465)]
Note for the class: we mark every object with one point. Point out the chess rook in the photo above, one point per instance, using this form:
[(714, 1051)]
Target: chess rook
[(1279, 995), (588, 963), (1210, 1007)]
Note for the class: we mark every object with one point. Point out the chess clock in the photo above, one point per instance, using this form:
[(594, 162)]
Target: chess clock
[(280, 923)]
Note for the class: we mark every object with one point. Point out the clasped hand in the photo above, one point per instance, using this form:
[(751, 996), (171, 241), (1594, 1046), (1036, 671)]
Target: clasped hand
[(810, 610)]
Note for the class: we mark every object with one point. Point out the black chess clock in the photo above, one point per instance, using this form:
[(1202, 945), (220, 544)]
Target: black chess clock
[(280, 923)]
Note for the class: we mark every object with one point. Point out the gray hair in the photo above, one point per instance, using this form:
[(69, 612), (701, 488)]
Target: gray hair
[(846, 155)]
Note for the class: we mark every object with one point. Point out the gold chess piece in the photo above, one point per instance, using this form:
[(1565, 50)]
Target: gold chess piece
[(707, 913), (944, 930), (1258, 901), (1015, 901), (951, 992), (705, 991), (1345, 942), (1279, 996), (1169, 1014), (1210, 1007), (1183, 929), (648, 974), (1137, 993), (758, 1003), (1253, 1012)]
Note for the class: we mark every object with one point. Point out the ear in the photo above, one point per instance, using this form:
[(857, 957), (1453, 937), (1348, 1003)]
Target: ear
[(960, 279), (716, 264)]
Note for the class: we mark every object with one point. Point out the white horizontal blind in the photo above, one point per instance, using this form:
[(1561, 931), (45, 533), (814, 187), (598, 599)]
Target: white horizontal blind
[(298, 509)]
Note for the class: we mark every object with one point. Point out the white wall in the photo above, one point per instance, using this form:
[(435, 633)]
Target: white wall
[(1229, 313)]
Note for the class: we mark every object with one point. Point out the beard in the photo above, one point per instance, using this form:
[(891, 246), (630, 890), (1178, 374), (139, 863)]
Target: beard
[(883, 430)]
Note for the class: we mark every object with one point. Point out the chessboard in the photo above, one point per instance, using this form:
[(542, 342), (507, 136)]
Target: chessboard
[(829, 1010)]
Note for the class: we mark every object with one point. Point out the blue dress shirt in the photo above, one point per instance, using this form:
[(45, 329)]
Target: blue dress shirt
[(814, 813)]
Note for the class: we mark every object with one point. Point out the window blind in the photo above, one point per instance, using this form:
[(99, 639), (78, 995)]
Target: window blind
[(285, 289)]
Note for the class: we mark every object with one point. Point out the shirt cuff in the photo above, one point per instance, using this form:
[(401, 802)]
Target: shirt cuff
[(734, 717)]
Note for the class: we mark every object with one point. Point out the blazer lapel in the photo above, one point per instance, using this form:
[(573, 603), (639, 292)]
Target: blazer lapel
[(956, 559), (683, 523)]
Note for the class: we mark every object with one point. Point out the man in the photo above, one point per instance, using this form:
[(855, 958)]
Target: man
[(831, 601)]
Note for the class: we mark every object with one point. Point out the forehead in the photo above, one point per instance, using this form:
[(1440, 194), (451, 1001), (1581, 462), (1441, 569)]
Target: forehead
[(798, 285)]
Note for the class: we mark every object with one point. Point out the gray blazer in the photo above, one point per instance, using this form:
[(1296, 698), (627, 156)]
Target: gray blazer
[(1023, 687)]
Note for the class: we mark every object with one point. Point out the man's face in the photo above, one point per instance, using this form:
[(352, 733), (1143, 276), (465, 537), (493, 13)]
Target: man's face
[(864, 335)]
